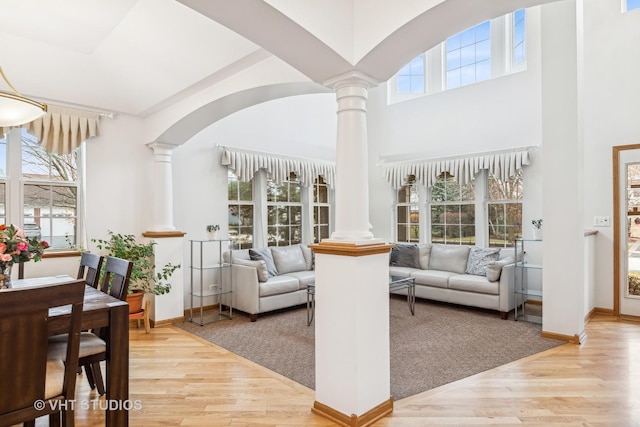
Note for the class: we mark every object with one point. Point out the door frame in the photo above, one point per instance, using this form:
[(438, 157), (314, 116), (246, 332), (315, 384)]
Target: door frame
[(616, 224)]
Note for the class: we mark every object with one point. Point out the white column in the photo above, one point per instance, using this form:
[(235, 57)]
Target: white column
[(163, 187), (352, 282), (352, 175)]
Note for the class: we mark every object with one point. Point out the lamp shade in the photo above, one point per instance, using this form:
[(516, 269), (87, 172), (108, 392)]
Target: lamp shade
[(17, 110)]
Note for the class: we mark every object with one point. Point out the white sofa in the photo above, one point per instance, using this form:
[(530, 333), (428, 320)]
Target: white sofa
[(277, 277), (465, 275)]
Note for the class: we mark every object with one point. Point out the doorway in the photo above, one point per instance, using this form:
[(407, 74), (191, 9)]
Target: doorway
[(626, 227)]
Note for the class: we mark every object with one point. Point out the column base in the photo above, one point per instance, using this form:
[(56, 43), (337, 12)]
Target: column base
[(366, 419)]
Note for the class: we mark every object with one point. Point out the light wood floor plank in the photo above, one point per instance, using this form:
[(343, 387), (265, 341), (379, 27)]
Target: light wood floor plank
[(182, 380)]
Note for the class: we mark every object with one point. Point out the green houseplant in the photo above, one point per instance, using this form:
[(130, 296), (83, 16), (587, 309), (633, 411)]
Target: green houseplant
[(141, 254), (213, 231)]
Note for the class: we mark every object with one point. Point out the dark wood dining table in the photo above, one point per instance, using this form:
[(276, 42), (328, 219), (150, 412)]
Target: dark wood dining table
[(100, 310)]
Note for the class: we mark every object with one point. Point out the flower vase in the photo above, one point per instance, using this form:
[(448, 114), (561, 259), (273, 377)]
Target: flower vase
[(5, 276), (213, 235), (536, 233)]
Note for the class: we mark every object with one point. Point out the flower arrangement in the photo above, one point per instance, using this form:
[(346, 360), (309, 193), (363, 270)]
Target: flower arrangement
[(211, 228), (15, 247), (537, 223)]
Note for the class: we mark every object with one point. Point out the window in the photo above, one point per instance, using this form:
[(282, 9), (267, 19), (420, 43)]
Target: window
[(320, 210), (505, 210), (411, 77), (519, 45), (632, 4), (408, 212), (452, 212), (47, 184), (468, 56), (240, 211), (284, 212)]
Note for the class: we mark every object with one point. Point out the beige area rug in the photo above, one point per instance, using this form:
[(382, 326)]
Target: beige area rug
[(442, 343)]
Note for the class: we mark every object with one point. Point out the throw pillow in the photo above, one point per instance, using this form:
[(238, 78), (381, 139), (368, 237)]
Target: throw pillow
[(309, 257), (260, 266), (288, 258), (479, 258), (494, 268), (405, 255), (451, 258), (264, 255)]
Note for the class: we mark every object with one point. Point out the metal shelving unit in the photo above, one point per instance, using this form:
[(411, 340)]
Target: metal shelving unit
[(522, 294), (208, 280)]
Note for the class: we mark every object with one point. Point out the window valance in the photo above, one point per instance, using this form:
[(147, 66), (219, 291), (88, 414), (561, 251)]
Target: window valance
[(503, 164), (63, 129), (246, 163)]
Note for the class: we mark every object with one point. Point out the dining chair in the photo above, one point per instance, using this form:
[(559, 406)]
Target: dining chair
[(90, 268), (93, 345), (32, 384)]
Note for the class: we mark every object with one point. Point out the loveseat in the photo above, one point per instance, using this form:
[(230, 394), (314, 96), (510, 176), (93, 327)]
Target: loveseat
[(277, 277)]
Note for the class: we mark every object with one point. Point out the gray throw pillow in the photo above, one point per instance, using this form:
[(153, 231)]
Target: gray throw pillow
[(494, 268), (264, 255), (405, 255), (479, 258)]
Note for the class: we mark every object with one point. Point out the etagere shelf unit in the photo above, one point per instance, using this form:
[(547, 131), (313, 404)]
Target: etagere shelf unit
[(210, 282), (523, 295)]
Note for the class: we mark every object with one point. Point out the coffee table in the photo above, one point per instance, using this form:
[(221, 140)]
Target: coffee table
[(395, 283)]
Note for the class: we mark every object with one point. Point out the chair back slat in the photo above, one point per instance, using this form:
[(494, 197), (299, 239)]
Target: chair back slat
[(24, 330), (90, 268)]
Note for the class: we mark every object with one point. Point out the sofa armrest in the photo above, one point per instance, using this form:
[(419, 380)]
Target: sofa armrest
[(507, 288), (246, 291)]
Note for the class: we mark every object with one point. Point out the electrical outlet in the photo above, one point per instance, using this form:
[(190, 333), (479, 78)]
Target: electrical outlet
[(601, 221), (213, 287)]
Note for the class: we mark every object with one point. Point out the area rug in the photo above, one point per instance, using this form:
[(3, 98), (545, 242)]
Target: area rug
[(442, 343)]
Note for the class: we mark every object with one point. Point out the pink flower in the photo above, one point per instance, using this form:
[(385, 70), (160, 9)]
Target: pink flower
[(22, 246), (5, 257), (3, 248)]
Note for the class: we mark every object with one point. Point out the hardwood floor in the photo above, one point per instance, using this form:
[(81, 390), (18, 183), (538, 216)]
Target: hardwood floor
[(179, 379)]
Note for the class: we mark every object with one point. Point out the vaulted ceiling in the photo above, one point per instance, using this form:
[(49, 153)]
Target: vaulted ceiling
[(139, 56)]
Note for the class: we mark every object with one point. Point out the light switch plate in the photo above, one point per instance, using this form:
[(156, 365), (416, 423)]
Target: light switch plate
[(601, 221)]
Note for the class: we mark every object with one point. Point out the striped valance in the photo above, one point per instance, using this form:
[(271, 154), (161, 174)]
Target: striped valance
[(62, 129), (246, 163), (502, 164)]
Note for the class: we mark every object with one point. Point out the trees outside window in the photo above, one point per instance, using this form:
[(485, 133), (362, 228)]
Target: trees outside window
[(505, 210), (241, 208), (284, 212), (44, 185), (452, 212), (408, 212), (321, 208)]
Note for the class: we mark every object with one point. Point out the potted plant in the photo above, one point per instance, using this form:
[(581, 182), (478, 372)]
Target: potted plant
[(144, 277), (537, 229), (213, 231)]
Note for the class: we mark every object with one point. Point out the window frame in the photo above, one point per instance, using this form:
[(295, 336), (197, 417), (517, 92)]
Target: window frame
[(240, 203)]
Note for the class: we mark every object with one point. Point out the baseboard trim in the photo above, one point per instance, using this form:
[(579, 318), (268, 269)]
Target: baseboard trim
[(196, 310), (598, 311), (155, 323), (574, 339), (366, 419), (629, 318)]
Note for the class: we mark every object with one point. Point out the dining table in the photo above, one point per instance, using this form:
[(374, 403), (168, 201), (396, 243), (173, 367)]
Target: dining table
[(100, 310)]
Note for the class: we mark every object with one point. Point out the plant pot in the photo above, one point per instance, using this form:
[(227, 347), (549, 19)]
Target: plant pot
[(536, 233), (135, 301), (213, 235)]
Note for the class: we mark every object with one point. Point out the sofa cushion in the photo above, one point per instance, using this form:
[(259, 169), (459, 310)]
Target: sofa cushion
[(438, 279), (424, 252), (405, 255), (494, 269), (288, 258), (473, 283), (479, 258), (306, 277), (451, 258), (264, 255), (400, 271), (278, 285), (259, 265), (237, 254)]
